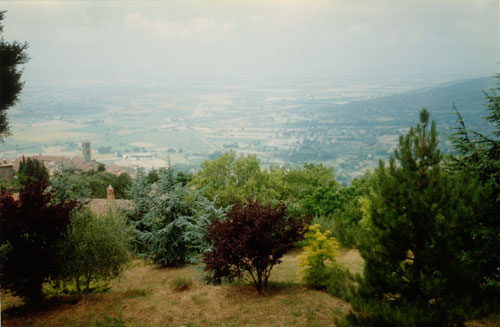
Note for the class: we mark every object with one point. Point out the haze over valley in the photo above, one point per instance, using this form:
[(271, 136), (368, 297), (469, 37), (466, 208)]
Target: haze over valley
[(347, 126), (332, 82)]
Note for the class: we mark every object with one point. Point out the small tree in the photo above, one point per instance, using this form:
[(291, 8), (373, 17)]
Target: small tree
[(95, 248), (252, 239), (319, 254), (320, 269), (31, 227)]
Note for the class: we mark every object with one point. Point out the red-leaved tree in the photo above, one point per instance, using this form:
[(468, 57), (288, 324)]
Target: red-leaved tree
[(31, 226), (253, 238)]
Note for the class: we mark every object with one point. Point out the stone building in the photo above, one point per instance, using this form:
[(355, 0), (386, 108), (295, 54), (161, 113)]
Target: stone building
[(6, 171), (86, 151)]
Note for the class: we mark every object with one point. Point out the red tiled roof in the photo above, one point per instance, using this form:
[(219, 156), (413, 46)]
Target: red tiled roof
[(103, 206)]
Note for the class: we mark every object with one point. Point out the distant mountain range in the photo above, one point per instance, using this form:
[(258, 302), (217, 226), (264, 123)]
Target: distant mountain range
[(467, 95)]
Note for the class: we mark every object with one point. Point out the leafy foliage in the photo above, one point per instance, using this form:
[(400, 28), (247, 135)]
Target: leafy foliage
[(346, 221), (170, 223), (72, 183), (11, 56), (312, 189), (68, 183), (95, 248), (228, 179), (31, 228), (252, 239), (414, 249), (99, 181)]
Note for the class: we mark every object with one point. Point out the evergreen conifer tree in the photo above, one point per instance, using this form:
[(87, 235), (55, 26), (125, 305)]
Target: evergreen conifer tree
[(12, 54), (478, 155), (31, 170), (417, 272)]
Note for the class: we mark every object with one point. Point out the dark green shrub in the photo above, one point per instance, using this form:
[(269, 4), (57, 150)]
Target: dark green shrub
[(342, 283), (393, 312), (346, 223)]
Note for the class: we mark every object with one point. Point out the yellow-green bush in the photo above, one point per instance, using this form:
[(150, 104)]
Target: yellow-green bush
[(319, 267), (318, 258)]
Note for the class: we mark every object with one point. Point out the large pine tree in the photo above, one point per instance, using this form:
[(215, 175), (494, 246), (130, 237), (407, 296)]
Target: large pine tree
[(12, 55), (417, 272)]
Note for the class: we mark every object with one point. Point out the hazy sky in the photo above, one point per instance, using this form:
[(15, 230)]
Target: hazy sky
[(213, 40)]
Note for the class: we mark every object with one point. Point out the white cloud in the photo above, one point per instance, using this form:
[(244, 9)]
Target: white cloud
[(201, 28), (210, 30), (166, 29)]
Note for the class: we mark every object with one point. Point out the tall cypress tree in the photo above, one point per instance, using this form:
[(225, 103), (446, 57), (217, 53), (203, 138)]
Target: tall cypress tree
[(416, 271), (31, 170)]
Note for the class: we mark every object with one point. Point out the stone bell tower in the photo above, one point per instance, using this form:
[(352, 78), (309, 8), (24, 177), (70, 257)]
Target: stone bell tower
[(86, 151)]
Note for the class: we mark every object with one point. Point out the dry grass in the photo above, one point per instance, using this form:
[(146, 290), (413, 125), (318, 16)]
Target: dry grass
[(491, 321), (351, 259), (145, 297)]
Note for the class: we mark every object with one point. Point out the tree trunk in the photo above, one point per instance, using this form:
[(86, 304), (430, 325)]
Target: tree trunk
[(78, 288), (87, 286), (35, 295)]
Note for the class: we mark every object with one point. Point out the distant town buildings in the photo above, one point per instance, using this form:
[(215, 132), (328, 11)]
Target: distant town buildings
[(138, 156), (53, 163), (86, 151)]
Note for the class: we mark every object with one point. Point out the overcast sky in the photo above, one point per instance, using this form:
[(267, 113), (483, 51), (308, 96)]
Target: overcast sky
[(213, 40)]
